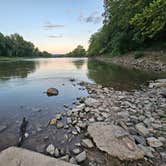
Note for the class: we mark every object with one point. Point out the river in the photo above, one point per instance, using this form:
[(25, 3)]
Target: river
[(23, 85)]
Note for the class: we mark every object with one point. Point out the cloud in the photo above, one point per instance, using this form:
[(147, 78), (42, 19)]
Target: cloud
[(50, 26), (55, 36), (94, 18)]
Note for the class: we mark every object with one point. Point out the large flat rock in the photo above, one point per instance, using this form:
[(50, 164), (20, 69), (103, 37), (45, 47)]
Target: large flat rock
[(14, 156), (115, 141)]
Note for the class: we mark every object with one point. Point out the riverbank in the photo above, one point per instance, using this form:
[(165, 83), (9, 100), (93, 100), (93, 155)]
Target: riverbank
[(113, 127), (148, 61)]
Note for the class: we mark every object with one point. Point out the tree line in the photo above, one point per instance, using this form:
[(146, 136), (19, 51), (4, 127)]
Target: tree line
[(130, 25), (15, 46)]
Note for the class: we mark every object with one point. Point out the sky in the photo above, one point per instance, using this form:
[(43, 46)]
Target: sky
[(56, 26)]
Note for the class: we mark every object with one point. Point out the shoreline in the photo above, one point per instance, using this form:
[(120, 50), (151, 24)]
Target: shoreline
[(138, 118), (150, 62)]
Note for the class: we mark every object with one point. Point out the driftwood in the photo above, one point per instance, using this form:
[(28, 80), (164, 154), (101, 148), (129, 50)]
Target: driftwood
[(22, 132)]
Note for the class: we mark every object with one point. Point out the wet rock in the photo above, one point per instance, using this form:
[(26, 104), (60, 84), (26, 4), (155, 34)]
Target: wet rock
[(2, 128), (52, 92), (53, 121), (120, 143), (58, 116), (142, 129), (59, 125), (81, 157), (154, 142), (87, 143), (50, 149)]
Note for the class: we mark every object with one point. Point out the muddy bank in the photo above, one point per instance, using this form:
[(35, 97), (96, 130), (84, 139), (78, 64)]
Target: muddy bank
[(112, 127), (151, 61)]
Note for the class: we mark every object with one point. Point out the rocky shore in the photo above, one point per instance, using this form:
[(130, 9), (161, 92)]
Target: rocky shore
[(151, 61), (113, 127)]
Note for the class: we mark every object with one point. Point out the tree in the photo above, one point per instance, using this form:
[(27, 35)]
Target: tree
[(14, 45), (79, 51)]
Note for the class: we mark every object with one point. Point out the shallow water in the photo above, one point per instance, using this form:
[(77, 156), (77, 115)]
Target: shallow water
[(23, 83)]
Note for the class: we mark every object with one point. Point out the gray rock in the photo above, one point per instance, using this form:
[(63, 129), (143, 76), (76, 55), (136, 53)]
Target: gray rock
[(91, 102), (59, 125), (139, 140), (81, 157), (87, 143), (73, 160), (76, 151), (58, 116), (154, 142), (50, 149), (147, 150), (65, 158), (17, 156), (69, 120), (120, 143), (56, 152), (142, 129)]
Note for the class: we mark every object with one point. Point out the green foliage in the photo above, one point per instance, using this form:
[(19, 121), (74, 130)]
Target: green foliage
[(15, 46), (77, 52), (128, 26)]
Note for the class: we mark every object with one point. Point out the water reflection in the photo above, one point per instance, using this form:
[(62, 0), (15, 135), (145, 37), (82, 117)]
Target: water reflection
[(79, 63), (19, 69), (116, 76)]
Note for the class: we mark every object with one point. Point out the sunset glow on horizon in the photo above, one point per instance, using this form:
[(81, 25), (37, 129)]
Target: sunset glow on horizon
[(54, 26)]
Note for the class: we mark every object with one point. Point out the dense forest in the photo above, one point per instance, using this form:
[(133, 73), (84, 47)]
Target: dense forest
[(15, 46), (79, 51), (130, 25)]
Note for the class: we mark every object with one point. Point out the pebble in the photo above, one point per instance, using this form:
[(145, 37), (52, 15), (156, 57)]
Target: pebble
[(50, 149), (81, 157), (87, 143), (154, 142)]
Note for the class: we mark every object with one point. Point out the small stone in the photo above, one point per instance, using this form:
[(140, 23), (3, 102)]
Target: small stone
[(68, 120), (53, 121), (87, 143), (74, 132), (147, 151), (142, 129), (91, 120), (58, 116), (81, 157), (73, 160), (56, 152), (59, 125), (139, 140), (65, 158), (76, 151), (154, 142), (50, 149), (26, 135)]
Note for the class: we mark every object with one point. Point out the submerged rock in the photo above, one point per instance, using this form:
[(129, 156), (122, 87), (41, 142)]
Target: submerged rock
[(115, 141), (2, 128), (52, 92)]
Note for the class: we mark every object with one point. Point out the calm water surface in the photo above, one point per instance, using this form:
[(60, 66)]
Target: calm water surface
[(23, 83)]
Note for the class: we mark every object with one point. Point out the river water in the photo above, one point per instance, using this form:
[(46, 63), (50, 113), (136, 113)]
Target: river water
[(23, 84)]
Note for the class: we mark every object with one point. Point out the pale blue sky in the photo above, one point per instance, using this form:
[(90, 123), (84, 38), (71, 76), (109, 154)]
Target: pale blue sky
[(56, 26)]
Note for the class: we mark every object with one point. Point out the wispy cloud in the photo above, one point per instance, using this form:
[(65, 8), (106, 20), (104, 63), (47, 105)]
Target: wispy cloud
[(94, 18), (55, 36), (51, 26)]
